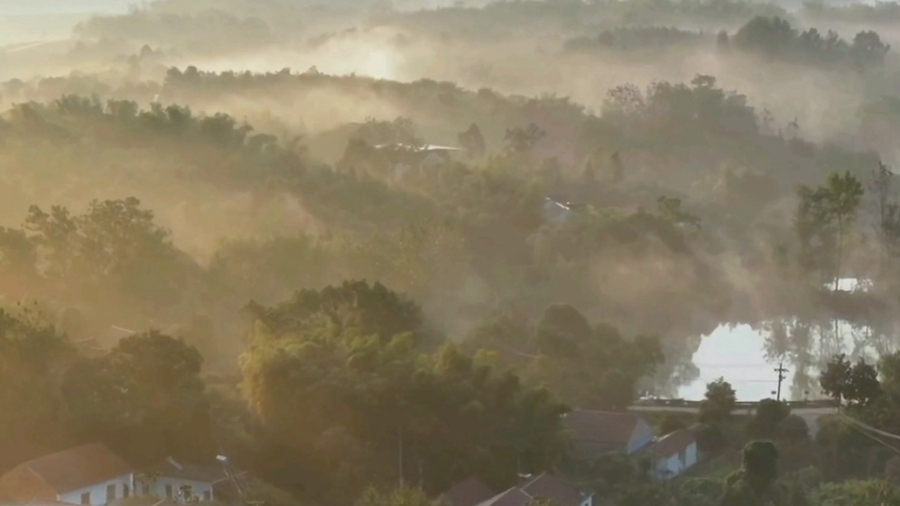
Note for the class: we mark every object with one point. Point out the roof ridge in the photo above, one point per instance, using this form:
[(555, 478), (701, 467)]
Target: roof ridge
[(531, 482)]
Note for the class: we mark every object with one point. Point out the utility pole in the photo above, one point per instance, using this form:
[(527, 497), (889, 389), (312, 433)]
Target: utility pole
[(781, 377)]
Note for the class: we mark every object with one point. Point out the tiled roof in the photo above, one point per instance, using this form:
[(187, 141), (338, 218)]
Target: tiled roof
[(171, 468), (468, 493), (512, 497), (556, 490), (543, 486), (601, 426), (225, 490), (673, 444), (78, 467)]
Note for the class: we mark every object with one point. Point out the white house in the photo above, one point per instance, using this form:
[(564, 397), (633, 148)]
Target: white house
[(673, 454), (90, 475), (179, 482)]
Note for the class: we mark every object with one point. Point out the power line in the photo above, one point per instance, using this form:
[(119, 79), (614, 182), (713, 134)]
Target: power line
[(859, 427), (869, 427)]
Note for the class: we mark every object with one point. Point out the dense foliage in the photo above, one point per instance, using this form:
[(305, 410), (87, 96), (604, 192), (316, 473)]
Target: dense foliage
[(324, 293)]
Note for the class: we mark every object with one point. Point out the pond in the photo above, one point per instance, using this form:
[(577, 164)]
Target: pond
[(741, 356), (748, 357)]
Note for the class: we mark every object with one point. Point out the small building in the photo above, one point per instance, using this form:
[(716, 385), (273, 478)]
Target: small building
[(598, 433), (673, 454), (406, 157), (179, 482), (89, 475), (100, 344)]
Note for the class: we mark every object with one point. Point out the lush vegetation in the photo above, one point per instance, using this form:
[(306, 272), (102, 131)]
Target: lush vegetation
[(775, 38), (314, 293)]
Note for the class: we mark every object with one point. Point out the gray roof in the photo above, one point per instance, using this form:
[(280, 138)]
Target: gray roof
[(512, 497), (423, 147), (170, 468), (543, 486), (468, 493)]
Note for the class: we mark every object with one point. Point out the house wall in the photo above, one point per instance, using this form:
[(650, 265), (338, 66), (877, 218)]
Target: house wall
[(162, 486), (641, 437), (98, 492), (21, 484), (692, 454), (589, 501), (675, 465)]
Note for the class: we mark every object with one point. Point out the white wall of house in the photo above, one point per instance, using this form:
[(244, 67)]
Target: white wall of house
[(588, 501), (640, 437), (671, 467), (98, 494), (169, 488)]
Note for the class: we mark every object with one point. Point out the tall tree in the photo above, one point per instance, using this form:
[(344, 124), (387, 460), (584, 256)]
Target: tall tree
[(823, 220), (768, 418), (589, 366), (887, 227), (32, 356), (473, 141), (755, 483), (719, 402), (857, 384), (145, 398), (115, 249), (344, 396), (844, 196)]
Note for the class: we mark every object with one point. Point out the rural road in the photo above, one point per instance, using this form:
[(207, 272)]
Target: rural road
[(810, 415)]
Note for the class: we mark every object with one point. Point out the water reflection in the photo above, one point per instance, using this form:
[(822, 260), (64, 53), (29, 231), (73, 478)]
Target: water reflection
[(747, 357)]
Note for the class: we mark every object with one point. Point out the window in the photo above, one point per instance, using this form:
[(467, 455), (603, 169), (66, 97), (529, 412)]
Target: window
[(168, 491), (207, 496), (125, 491), (187, 493), (110, 494), (86, 498)]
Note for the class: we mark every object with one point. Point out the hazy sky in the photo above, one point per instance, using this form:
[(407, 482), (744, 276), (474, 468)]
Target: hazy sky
[(8, 7)]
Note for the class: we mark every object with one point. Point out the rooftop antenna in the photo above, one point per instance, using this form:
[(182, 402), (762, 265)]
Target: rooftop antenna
[(233, 476), (174, 463)]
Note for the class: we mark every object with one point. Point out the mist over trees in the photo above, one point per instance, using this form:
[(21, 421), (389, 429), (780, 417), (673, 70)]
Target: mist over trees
[(365, 244)]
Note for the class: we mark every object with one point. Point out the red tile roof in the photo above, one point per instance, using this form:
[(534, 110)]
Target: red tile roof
[(78, 467), (673, 444), (601, 426)]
